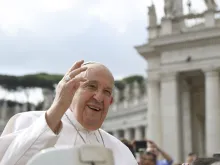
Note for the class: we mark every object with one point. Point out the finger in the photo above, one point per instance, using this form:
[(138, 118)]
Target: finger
[(75, 72), (77, 80), (149, 141), (75, 65)]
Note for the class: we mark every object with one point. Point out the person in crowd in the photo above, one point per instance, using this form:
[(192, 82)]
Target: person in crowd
[(205, 161), (152, 147), (191, 157), (129, 145), (148, 158)]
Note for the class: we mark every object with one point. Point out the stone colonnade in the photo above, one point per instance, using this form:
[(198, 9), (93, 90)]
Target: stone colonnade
[(168, 125), (212, 112), (136, 133), (7, 112)]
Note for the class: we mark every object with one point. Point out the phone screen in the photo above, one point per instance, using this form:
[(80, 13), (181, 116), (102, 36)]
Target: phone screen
[(140, 145), (217, 155)]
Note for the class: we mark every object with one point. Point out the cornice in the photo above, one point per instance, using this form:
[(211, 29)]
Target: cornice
[(180, 38), (128, 111), (136, 124), (145, 49), (208, 36), (196, 65), (168, 76), (211, 71)]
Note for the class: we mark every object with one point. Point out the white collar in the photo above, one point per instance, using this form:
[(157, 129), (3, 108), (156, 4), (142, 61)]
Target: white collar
[(74, 121)]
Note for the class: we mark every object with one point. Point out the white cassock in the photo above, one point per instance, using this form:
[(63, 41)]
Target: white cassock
[(27, 133)]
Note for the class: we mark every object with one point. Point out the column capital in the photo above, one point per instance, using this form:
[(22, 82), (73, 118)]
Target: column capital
[(168, 76), (211, 71), (153, 77)]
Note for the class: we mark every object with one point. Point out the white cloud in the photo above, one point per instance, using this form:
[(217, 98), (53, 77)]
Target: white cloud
[(118, 14), (48, 35), (15, 15), (22, 14), (26, 14)]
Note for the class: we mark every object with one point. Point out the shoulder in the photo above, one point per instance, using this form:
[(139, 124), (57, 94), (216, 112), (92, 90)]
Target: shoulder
[(110, 138), (21, 120), (114, 143), (26, 116), (121, 152)]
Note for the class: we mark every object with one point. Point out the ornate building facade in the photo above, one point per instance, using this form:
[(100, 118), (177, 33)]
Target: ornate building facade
[(183, 80), (127, 116), (7, 111)]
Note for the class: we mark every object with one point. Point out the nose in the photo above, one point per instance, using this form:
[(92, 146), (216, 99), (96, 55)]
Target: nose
[(99, 96)]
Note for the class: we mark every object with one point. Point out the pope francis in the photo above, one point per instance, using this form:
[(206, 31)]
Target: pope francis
[(80, 106)]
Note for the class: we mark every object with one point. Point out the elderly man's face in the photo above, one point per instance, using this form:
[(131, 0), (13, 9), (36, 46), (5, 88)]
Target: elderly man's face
[(93, 97)]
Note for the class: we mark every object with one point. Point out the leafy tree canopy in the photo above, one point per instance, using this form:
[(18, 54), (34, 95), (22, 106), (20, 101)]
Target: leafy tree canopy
[(120, 84), (41, 80), (44, 80)]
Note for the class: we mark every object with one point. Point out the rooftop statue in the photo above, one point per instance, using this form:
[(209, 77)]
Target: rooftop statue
[(152, 16), (210, 4), (173, 8)]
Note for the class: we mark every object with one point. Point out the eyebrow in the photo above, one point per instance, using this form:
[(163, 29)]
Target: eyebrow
[(94, 81), (91, 81)]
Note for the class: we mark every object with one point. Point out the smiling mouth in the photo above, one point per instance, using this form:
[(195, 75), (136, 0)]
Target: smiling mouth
[(94, 108)]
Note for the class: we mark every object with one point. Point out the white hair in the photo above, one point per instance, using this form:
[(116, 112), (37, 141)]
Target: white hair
[(94, 62), (91, 62)]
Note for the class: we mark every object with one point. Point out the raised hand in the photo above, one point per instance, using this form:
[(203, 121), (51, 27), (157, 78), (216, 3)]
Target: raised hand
[(151, 144), (65, 91), (68, 85)]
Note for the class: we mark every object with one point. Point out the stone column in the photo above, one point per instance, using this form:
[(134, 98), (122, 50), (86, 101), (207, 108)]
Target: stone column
[(117, 134), (210, 18), (48, 97), (187, 118), (32, 108), (154, 131), (171, 122), (138, 134), (17, 108), (212, 112), (145, 133), (24, 107), (166, 26), (4, 109), (128, 134)]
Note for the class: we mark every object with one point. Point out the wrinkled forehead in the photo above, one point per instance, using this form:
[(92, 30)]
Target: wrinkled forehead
[(98, 72)]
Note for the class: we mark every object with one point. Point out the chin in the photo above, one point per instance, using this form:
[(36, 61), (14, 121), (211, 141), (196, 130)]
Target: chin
[(92, 127)]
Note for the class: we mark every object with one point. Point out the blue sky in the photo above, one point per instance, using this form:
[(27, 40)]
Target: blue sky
[(50, 35)]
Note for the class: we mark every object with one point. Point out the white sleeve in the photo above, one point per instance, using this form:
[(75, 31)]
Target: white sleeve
[(17, 147)]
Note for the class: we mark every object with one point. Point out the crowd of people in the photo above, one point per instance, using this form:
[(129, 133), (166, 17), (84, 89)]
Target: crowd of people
[(154, 155), (149, 155)]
